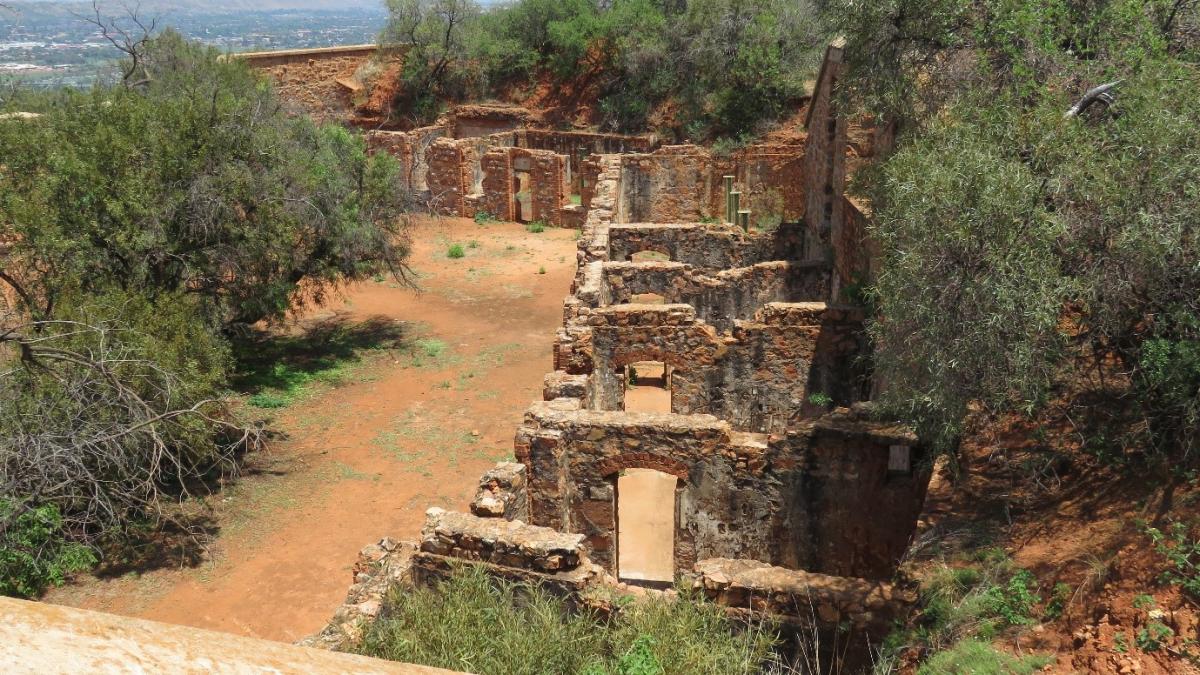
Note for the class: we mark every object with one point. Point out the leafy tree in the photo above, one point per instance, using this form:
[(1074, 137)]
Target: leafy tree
[(436, 34), (701, 69), (197, 183), (1015, 237), (140, 222)]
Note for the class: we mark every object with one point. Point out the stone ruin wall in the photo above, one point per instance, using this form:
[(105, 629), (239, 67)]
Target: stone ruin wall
[(781, 502), (684, 183), (759, 376), (795, 500), (459, 165), (319, 82)]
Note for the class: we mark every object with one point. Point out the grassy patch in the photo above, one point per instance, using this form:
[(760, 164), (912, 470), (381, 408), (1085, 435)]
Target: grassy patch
[(976, 656), (277, 370), (477, 624), (536, 227), (963, 606), (455, 251)]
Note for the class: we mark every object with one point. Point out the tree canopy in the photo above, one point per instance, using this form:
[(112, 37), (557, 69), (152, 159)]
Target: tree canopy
[(699, 70), (1019, 238), (143, 222)]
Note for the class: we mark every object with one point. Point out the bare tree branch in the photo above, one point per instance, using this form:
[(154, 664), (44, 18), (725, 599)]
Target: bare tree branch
[(1102, 94)]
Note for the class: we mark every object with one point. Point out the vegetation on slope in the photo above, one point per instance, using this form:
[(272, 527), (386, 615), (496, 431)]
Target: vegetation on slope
[(1041, 262), (697, 70), (1016, 238), (144, 221)]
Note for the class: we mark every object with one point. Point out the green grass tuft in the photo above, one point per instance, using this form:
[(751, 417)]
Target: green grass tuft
[(455, 251), (474, 623)]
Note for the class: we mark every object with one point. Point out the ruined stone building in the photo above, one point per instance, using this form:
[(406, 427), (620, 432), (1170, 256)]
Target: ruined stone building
[(708, 413)]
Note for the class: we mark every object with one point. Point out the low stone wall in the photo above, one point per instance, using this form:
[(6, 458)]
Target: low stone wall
[(510, 550), (380, 568), (796, 596), (502, 493), (501, 542)]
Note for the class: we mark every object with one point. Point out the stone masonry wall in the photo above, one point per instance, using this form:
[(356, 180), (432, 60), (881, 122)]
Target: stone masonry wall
[(684, 183), (759, 378), (719, 299), (795, 500), (409, 148), (825, 157)]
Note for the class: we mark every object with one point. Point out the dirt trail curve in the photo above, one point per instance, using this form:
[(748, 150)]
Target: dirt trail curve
[(366, 458)]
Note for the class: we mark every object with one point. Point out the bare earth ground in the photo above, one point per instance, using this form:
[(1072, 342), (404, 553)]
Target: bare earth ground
[(365, 459)]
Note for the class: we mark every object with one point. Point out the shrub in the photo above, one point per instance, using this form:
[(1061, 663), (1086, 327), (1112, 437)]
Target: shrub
[(722, 67), (536, 227), (1182, 554), (482, 217), (455, 251), (474, 623), (820, 399), (35, 552), (962, 609)]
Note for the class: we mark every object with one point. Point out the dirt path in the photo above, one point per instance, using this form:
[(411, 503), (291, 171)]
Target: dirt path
[(365, 459)]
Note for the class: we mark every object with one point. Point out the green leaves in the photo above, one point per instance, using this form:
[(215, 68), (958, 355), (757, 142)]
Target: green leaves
[(202, 183), (34, 551)]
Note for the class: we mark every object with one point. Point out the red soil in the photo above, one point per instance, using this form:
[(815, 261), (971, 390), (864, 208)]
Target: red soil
[(366, 459)]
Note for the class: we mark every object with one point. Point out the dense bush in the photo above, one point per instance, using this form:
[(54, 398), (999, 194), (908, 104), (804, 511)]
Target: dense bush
[(1015, 238), (700, 70), (144, 220), (478, 624), (197, 183), (35, 553)]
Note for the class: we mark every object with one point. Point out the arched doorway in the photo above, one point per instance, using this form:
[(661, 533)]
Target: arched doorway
[(646, 527)]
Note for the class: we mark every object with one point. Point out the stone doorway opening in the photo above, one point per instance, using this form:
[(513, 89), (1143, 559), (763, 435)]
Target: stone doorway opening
[(646, 527), (648, 387)]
